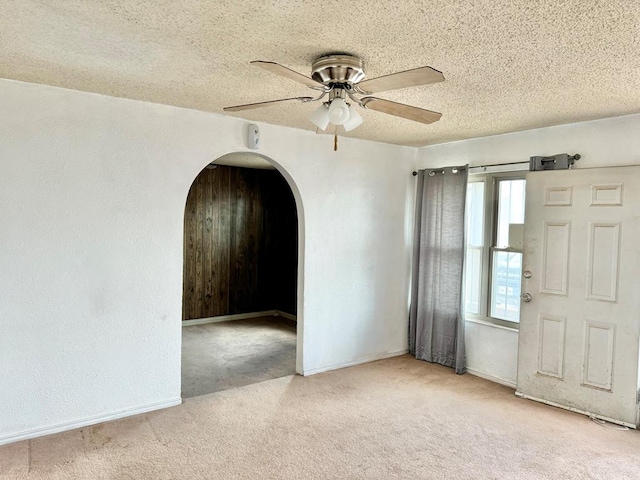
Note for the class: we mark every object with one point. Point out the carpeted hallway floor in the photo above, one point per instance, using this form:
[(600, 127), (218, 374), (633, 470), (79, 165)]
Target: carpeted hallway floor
[(219, 356), (393, 419)]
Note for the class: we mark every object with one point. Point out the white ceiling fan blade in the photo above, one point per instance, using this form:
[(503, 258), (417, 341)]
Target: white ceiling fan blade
[(249, 106), (401, 110), (288, 73), (408, 78)]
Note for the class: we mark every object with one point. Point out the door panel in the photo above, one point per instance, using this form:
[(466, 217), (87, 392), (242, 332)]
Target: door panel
[(597, 369), (551, 345), (579, 334), (555, 257), (602, 261)]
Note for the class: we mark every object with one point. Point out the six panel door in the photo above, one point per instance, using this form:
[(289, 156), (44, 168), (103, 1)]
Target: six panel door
[(579, 334)]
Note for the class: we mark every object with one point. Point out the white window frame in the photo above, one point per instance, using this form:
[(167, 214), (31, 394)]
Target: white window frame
[(490, 238)]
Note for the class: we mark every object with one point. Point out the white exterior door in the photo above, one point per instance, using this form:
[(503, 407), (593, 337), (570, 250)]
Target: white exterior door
[(580, 331)]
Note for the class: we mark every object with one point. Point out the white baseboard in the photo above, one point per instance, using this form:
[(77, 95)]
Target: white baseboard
[(576, 410), (286, 315), (227, 318), (491, 378), (85, 422), (358, 361)]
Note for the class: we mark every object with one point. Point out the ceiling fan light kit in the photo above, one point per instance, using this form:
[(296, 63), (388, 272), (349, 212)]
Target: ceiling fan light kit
[(354, 119), (341, 78), (338, 111), (320, 117)]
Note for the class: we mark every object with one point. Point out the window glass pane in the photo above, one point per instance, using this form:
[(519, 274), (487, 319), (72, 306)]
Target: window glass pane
[(475, 241), (505, 286), (475, 213), (473, 278), (510, 208)]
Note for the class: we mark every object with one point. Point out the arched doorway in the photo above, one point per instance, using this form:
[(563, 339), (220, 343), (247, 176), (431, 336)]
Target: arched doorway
[(240, 280)]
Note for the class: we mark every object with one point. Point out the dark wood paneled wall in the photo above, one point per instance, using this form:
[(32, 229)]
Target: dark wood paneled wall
[(240, 243)]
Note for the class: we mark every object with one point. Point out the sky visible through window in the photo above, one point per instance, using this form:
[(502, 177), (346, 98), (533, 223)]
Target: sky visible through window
[(507, 266)]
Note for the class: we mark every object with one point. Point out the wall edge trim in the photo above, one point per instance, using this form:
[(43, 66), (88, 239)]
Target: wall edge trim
[(491, 378), (358, 361), (87, 421), (227, 318), (288, 316)]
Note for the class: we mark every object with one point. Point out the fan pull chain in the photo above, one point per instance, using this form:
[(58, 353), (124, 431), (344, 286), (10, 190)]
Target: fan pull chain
[(335, 143)]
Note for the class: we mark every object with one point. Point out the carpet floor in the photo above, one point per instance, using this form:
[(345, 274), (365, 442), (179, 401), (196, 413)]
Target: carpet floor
[(393, 419), (220, 356)]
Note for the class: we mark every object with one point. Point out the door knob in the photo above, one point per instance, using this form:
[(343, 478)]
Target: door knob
[(526, 297)]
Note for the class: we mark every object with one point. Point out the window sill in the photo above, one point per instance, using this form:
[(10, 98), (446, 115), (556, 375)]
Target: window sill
[(490, 323)]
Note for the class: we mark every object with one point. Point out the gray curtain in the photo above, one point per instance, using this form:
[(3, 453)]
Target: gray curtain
[(436, 323)]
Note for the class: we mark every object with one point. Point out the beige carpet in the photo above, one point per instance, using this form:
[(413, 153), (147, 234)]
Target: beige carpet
[(397, 418), (220, 356)]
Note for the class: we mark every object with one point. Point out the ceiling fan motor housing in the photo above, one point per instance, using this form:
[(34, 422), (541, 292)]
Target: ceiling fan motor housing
[(338, 69)]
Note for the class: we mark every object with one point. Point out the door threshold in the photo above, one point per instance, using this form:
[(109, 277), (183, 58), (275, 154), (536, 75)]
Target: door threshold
[(576, 410)]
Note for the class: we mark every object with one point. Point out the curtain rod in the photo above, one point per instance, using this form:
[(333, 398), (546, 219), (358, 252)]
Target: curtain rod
[(490, 165)]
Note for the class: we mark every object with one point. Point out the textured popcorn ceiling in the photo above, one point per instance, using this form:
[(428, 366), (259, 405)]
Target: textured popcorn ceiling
[(509, 65)]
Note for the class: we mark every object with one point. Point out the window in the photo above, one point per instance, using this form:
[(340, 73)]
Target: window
[(493, 268), (475, 247)]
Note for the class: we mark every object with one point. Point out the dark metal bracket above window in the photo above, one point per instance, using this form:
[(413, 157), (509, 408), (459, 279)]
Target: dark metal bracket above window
[(561, 161)]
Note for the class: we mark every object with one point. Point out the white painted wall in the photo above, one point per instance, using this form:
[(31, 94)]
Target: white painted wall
[(492, 351), (606, 142), (92, 195)]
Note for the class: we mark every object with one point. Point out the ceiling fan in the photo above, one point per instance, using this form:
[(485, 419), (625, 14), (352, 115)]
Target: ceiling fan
[(340, 78)]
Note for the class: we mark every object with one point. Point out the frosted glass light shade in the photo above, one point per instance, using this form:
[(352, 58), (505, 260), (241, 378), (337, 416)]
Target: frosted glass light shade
[(354, 119), (338, 111), (320, 117)]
